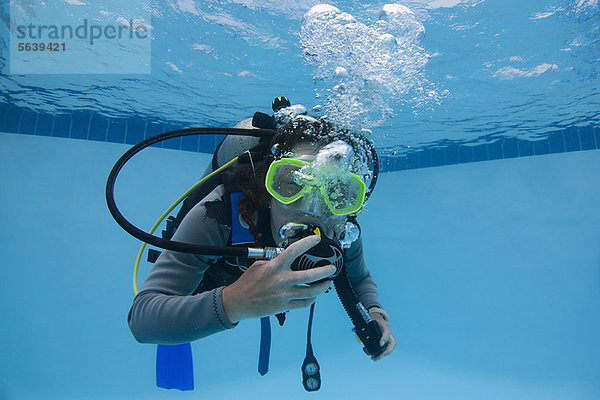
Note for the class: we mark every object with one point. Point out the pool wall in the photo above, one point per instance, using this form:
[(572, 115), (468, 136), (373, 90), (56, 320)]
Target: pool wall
[(490, 272)]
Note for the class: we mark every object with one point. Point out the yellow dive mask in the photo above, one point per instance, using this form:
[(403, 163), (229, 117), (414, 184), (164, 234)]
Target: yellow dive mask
[(343, 194)]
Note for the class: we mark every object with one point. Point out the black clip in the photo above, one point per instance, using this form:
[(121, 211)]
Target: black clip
[(263, 121)]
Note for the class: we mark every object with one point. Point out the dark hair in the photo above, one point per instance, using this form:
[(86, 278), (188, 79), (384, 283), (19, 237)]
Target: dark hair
[(250, 179)]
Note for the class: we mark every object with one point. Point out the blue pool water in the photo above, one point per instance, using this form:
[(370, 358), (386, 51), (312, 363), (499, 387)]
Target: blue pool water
[(482, 234), (489, 272)]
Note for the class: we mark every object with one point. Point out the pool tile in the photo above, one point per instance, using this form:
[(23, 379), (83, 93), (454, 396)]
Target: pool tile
[(401, 163), (572, 139), (465, 154), (480, 152), (495, 150), (451, 154), (510, 147), (382, 163), (526, 148), (13, 117), (190, 143), (45, 124), (136, 128), (81, 124), (437, 157), (586, 135), (117, 129), (597, 136), (424, 158), (541, 147), (28, 121), (3, 111), (174, 143), (98, 128), (62, 125), (556, 141), (154, 128), (208, 143), (412, 160), (385, 164)]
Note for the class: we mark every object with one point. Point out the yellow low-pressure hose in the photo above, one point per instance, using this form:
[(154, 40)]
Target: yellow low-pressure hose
[(166, 213)]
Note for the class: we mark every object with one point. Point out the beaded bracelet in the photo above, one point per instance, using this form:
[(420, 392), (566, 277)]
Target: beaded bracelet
[(380, 311)]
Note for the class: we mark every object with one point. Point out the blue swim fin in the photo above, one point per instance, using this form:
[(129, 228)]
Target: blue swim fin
[(174, 367)]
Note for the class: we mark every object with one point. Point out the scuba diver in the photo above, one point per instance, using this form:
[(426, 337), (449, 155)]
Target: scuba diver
[(304, 191)]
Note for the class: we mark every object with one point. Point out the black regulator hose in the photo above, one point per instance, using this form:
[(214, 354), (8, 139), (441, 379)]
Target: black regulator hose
[(375, 160), (188, 247), (157, 241), (367, 329)]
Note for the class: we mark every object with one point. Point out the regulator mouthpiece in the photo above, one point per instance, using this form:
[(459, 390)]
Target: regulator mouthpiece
[(327, 252)]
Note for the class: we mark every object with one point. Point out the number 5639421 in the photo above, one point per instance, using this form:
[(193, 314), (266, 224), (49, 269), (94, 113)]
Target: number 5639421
[(50, 46)]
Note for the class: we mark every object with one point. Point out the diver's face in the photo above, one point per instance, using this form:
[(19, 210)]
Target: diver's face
[(299, 212)]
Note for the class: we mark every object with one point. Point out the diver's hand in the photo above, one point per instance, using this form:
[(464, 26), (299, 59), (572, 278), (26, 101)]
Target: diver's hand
[(271, 287), (387, 339)]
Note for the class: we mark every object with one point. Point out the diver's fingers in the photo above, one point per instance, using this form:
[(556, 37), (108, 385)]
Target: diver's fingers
[(311, 275), (301, 303), (386, 333), (287, 257), (309, 292), (389, 347)]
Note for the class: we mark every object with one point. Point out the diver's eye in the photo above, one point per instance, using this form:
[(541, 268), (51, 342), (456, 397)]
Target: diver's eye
[(286, 184), (289, 189)]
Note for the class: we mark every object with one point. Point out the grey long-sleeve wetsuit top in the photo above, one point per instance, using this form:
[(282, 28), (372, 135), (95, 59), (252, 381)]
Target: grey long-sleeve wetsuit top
[(166, 311)]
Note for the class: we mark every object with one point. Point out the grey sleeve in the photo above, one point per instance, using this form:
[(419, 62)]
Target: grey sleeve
[(362, 282), (165, 311)]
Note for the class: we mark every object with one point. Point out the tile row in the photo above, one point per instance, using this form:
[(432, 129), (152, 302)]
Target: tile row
[(570, 139), (87, 125)]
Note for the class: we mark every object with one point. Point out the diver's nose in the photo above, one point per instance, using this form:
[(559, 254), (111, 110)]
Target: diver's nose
[(313, 209)]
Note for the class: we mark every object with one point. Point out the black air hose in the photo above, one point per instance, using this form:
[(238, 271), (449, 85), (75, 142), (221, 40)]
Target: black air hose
[(366, 329)]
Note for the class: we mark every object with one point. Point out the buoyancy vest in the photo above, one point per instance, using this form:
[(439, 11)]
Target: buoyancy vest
[(228, 269)]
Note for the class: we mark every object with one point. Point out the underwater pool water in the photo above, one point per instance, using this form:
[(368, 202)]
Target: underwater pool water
[(489, 272), (482, 234)]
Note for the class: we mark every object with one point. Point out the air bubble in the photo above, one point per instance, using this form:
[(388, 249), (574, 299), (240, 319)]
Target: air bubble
[(363, 70)]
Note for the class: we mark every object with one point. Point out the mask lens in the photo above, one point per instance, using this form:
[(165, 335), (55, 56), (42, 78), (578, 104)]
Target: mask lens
[(281, 181), (284, 182), (345, 196)]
